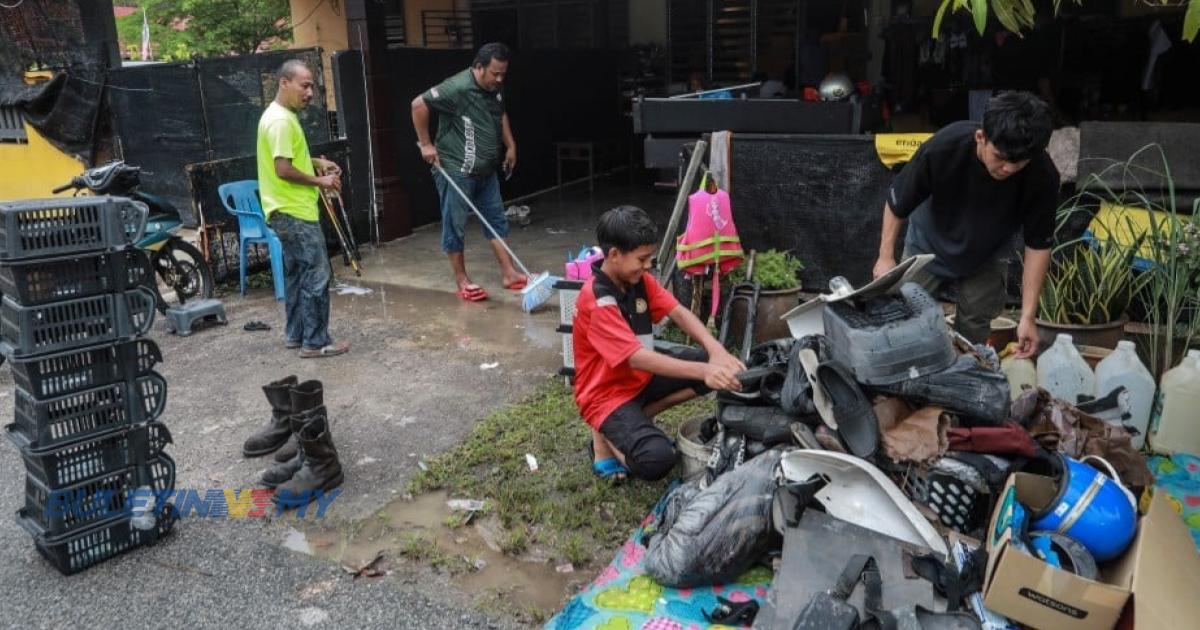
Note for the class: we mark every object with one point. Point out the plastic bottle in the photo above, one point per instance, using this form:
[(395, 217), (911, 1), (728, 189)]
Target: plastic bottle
[(1122, 368), (142, 516), (1021, 374), (1062, 371), (1175, 427)]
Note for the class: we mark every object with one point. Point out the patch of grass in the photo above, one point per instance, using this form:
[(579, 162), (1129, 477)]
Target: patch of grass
[(415, 546), (516, 541), (572, 512), (455, 520), (575, 549)]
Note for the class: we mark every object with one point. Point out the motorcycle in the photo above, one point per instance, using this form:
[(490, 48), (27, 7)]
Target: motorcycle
[(179, 266)]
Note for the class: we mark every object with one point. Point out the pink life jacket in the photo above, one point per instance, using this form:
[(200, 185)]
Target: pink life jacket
[(710, 238)]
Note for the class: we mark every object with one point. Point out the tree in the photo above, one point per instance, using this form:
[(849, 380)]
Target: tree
[(1018, 15), (223, 27)]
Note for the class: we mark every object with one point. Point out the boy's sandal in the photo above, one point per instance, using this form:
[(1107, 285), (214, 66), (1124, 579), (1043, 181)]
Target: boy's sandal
[(610, 470)]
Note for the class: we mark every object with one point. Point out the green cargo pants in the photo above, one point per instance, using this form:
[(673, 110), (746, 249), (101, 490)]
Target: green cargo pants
[(981, 296)]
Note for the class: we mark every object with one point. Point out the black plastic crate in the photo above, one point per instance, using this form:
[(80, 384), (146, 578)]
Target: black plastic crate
[(38, 228), (43, 280), (91, 457), (76, 370), (62, 420), (60, 511), (35, 330), (75, 552)]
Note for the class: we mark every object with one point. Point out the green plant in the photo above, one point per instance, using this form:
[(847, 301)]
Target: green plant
[(1091, 284), (1018, 15), (1168, 295), (773, 270)]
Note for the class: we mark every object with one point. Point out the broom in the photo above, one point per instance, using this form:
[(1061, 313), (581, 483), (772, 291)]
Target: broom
[(538, 289)]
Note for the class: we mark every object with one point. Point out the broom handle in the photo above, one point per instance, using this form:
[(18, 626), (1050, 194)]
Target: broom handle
[(479, 214)]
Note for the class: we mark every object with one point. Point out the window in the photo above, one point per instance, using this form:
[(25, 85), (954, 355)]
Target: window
[(12, 125)]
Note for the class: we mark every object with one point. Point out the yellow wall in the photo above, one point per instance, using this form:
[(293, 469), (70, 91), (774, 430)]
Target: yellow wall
[(324, 27), (31, 170)]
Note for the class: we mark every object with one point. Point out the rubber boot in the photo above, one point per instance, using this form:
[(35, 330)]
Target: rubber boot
[(320, 470), (283, 471), (277, 431), (305, 396)]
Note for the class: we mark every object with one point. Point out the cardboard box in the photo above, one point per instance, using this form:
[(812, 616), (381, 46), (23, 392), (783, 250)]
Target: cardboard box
[(1160, 570)]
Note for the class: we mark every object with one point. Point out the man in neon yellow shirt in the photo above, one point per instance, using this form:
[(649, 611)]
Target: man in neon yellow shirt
[(288, 185)]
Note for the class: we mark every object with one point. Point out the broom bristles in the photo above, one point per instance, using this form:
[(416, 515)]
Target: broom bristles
[(537, 291)]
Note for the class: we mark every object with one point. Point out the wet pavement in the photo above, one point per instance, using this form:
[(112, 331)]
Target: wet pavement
[(424, 367)]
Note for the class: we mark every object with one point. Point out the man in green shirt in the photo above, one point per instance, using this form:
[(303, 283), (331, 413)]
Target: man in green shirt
[(288, 186), (473, 139)]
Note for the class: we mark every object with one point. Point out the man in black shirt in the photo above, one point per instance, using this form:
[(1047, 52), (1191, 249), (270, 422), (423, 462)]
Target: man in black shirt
[(968, 190)]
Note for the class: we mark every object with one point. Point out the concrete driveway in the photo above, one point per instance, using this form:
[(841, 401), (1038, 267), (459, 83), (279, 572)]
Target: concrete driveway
[(424, 367)]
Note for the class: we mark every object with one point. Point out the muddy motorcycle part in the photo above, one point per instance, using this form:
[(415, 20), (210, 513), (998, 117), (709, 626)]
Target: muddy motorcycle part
[(747, 292), (190, 277)]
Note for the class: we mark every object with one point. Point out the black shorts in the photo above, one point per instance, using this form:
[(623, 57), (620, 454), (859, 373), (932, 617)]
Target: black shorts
[(649, 453)]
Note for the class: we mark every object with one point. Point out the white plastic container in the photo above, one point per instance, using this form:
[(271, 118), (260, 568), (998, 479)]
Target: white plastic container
[(1062, 371), (1021, 373), (1175, 427), (1122, 368)]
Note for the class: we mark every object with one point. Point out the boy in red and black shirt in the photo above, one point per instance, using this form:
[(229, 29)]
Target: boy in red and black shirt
[(620, 381)]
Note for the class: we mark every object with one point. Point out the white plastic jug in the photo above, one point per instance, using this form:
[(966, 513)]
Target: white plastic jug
[(1122, 368), (1021, 374), (1062, 371), (1175, 427)]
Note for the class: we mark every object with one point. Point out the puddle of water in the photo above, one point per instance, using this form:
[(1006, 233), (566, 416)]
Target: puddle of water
[(535, 583), (444, 318)]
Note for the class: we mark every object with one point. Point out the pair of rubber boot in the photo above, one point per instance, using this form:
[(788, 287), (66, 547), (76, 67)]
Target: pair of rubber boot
[(298, 434)]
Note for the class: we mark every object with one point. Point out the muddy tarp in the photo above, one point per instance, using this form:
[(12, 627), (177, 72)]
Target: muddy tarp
[(64, 110), (67, 109)]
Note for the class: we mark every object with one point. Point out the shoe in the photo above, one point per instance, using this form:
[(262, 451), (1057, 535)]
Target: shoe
[(276, 433), (285, 470), (305, 396), (320, 470)]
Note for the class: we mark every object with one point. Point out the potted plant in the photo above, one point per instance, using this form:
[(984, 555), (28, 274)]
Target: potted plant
[(778, 274), (1087, 292)]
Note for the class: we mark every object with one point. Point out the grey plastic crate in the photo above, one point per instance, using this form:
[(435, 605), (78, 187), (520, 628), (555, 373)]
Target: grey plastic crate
[(74, 552), (56, 422), (72, 508), (44, 280), (889, 338), (67, 372), (34, 330), (85, 459), (38, 228)]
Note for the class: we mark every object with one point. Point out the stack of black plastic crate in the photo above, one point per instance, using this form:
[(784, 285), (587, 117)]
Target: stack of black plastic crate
[(77, 298)]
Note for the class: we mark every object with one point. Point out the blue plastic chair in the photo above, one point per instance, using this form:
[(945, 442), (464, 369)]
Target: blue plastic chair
[(241, 200)]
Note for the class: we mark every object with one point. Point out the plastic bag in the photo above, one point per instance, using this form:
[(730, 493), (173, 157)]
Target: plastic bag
[(713, 535)]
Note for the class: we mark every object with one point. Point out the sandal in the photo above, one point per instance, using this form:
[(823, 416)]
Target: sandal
[(256, 325), (610, 469), (331, 350), (517, 285), (291, 345), (473, 293)]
